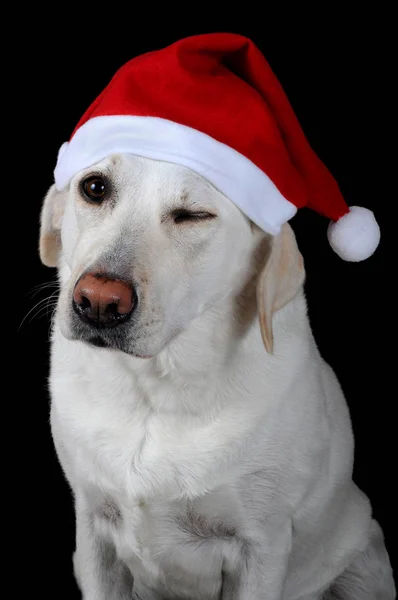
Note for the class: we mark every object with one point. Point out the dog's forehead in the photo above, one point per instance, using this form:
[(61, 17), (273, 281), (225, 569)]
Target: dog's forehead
[(163, 181)]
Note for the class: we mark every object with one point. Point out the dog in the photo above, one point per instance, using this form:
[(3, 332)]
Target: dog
[(207, 444)]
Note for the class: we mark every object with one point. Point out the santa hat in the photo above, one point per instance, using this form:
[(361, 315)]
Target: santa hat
[(212, 103)]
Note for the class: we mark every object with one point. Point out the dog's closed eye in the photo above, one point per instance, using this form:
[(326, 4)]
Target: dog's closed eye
[(183, 215)]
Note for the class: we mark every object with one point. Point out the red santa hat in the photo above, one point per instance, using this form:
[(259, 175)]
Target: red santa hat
[(212, 103)]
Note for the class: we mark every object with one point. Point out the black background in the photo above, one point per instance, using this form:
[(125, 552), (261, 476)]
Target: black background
[(338, 75)]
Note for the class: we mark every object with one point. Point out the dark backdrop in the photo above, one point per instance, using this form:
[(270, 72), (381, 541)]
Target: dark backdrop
[(337, 74)]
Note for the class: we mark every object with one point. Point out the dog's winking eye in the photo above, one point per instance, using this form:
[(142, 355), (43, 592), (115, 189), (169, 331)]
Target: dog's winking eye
[(184, 216), (94, 188)]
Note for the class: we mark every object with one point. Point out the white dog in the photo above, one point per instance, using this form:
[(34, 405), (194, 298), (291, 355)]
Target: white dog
[(203, 465)]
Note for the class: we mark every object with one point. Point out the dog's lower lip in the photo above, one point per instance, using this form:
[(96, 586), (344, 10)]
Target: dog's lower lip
[(98, 341)]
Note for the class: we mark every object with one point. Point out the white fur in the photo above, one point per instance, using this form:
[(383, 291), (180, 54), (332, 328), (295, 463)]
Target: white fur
[(211, 469)]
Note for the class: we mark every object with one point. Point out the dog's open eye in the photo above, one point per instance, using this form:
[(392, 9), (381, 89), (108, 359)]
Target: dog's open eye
[(183, 216), (94, 188)]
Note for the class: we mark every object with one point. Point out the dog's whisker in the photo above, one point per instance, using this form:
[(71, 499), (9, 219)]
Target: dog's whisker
[(43, 286), (51, 308), (41, 311), (39, 306)]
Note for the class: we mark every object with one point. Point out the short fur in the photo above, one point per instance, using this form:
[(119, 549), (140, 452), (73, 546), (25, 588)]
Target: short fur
[(203, 466)]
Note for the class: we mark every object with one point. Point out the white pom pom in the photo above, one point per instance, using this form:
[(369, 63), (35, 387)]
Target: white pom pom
[(356, 235)]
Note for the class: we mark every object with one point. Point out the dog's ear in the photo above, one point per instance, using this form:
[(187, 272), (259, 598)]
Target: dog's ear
[(50, 226), (279, 281)]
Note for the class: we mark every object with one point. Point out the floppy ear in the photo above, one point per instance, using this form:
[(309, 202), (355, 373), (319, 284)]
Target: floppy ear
[(50, 226), (280, 280)]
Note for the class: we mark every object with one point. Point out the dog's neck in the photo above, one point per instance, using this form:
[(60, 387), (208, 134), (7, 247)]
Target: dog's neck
[(220, 350)]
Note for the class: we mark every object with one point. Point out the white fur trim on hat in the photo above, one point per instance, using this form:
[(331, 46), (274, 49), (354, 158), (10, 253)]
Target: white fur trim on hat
[(356, 235), (245, 184)]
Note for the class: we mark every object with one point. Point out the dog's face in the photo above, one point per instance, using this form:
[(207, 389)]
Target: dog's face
[(143, 248), (176, 242)]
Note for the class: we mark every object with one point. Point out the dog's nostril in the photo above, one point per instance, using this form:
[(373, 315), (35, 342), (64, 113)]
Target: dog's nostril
[(112, 309), (84, 303)]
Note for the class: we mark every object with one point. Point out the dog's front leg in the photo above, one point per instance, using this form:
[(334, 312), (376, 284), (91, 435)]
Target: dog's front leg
[(261, 569), (99, 573)]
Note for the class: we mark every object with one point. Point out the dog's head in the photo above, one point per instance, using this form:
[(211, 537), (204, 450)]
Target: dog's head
[(144, 247)]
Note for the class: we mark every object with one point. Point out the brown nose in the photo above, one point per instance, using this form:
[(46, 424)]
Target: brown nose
[(102, 301)]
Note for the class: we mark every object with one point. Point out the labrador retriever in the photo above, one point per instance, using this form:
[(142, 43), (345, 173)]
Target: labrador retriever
[(207, 443)]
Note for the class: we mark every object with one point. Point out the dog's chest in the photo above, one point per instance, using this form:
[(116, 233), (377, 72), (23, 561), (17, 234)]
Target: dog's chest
[(176, 546), (100, 443)]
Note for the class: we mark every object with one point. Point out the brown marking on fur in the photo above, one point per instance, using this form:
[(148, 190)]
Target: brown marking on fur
[(115, 159), (184, 197), (108, 510), (199, 525)]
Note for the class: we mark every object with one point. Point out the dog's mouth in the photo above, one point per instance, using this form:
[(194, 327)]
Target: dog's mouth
[(98, 342)]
